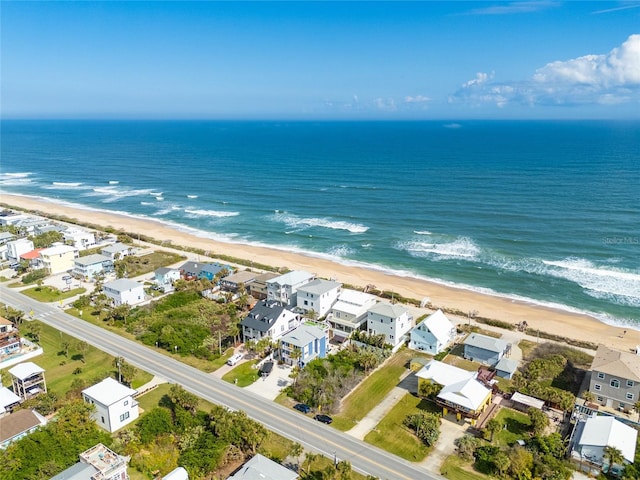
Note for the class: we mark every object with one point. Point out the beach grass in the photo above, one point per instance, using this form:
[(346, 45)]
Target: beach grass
[(136, 266), (243, 375), (454, 468), (391, 434), (49, 294)]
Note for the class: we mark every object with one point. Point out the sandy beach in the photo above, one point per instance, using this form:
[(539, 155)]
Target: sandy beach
[(550, 320)]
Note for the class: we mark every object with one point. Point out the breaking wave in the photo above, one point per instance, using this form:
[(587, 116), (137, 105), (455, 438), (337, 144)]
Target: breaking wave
[(293, 221)]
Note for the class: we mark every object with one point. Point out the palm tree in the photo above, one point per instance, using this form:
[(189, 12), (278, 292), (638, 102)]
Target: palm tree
[(493, 426), (295, 451), (588, 396), (614, 457)]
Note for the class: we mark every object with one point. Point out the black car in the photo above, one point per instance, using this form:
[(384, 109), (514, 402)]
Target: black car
[(323, 418), (302, 407)]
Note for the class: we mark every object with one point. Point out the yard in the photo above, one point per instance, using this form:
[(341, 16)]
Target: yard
[(516, 424), (454, 468), (136, 266), (48, 294), (456, 359), (243, 375)]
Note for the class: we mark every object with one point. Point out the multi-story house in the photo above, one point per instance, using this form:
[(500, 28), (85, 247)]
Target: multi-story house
[(615, 378), (15, 248), (97, 463), (81, 239), (19, 424), (123, 291), (349, 313), (258, 287), (318, 295), (484, 349), (114, 402), (392, 320), (9, 338), (117, 251), (91, 266), (268, 319), (284, 288), (303, 344), (28, 380), (433, 334), (58, 258)]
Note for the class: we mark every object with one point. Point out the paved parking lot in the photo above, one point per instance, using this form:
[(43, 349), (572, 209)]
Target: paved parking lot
[(270, 387)]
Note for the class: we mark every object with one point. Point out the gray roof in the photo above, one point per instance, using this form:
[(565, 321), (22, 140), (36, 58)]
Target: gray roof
[(79, 471), (263, 315), (486, 343), (116, 248), (6, 236), (261, 468), (122, 285), (292, 278), (303, 336), (507, 365), (165, 270), (92, 259), (388, 310), (319, 286), (619, 364), (243, 276)]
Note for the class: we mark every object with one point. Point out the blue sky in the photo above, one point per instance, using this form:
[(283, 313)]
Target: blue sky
[(325, 60)]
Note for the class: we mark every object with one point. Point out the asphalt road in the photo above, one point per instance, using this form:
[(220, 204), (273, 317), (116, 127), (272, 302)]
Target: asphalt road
[(289, 423)]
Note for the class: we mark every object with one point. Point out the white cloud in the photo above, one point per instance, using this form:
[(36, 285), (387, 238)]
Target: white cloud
[(416, 99), (387, 104), (514, 8), (608, 79)]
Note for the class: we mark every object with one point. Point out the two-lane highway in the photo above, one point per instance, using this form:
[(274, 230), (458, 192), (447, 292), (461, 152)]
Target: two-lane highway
[(288, 423)]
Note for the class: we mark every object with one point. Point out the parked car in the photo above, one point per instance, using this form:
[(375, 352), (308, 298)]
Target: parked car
[(321, 417), (234, 359), (302, 407)]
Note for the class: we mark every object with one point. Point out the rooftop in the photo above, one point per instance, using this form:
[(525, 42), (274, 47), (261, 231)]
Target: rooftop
[(486, 343), (292, 278), (439, 325), (92, 259), (319, 286), (443, 373), (388, 310), (32, 255), (7, 398), (263, 315), (605, 431), (57, 249), (261, 468), (614, 362), (25, 370), (116, 248), (122, 285), (243, 276), (108, 391), (18, 422), (303, 335)]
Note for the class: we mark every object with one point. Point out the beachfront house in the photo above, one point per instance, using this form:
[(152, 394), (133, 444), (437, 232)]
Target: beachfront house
[(262, 468), (391, 320), (10, 341), (19, 424), (164, 277), (258, 288), (211, 270), (81, 239), (117, 251), (318, 296), (268, 319), (90, 267), (97, 463), (114, 402), (484, 349), (461, 391), (15, 248), (506, 367), (592, 435), (433, 334), (235, 282), (284, 288), (28, 380), (349, 313), (6, 237), (8, 401), (123, 291), (58, 258), (303, 344), (9, 217), (615, 379)]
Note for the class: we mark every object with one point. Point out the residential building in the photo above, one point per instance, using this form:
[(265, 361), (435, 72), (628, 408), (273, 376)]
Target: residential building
[(285, 287), (593, 435), (8, 217), (261, 468), (318, 295), (210, 270), (40, 228), (81, 239), (164, 277), (234, 282), (506, 367), (6, 237), (615, 378), (114, 402), (178, 473), (433, 334), (461, 391), (268, 319), (19, 424), (391, 320), (484, 349), (10, 341), (117, 251), (258, 287), (123, 291), (303, 344), (90, 267), (58, 258), (33, 258), (8, 401), (349, 313), (28, 380), (15, 248), (97, 463)]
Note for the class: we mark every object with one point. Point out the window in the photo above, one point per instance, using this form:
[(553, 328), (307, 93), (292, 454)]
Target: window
[(124, 416), (600, 375), (629, 383), (102, 418), (615, 383), (600, 399), (306, 302), (629, 396), (597, 386), (126, 402)]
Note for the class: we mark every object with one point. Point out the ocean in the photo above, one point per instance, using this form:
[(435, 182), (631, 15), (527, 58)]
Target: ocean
[(547, 211)]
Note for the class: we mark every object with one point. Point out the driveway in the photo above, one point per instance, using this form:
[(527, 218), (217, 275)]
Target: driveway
[(269, 387), (450, 430)]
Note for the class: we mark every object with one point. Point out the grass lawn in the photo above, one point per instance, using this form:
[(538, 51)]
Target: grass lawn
[(391, 435), (517, 424), (456, 359), (454, 468), (372, 391), (51, 294), (59, 369), (148, 263), (243, 375)]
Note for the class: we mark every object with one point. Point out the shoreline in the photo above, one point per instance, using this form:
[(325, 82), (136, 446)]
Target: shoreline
[(545, 318)]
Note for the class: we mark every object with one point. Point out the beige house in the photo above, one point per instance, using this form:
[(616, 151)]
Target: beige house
[(615, 379), (58, 258)]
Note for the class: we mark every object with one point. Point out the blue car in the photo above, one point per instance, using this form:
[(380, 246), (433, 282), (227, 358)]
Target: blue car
[(302, 407)]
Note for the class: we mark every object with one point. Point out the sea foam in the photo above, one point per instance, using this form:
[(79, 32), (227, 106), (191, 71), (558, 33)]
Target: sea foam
[(293, 221)]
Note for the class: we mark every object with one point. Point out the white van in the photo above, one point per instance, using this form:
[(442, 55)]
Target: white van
[(234, 359)]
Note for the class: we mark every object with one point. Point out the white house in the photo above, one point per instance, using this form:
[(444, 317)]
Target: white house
[(284, 288), (81, 239), (268, 319), (15, 248), (262, 468), (392, 320), (114, 402), (124, 290), (318, 295), (58, 258), (8, 217), (28, 380), (433, 334), (117, 251), (164, 277), (8, 400), (97, 463), (349, 313), (91, 266), (593, 435)]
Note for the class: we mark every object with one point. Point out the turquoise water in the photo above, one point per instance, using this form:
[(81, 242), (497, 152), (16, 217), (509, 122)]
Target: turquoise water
[(547, 211)]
